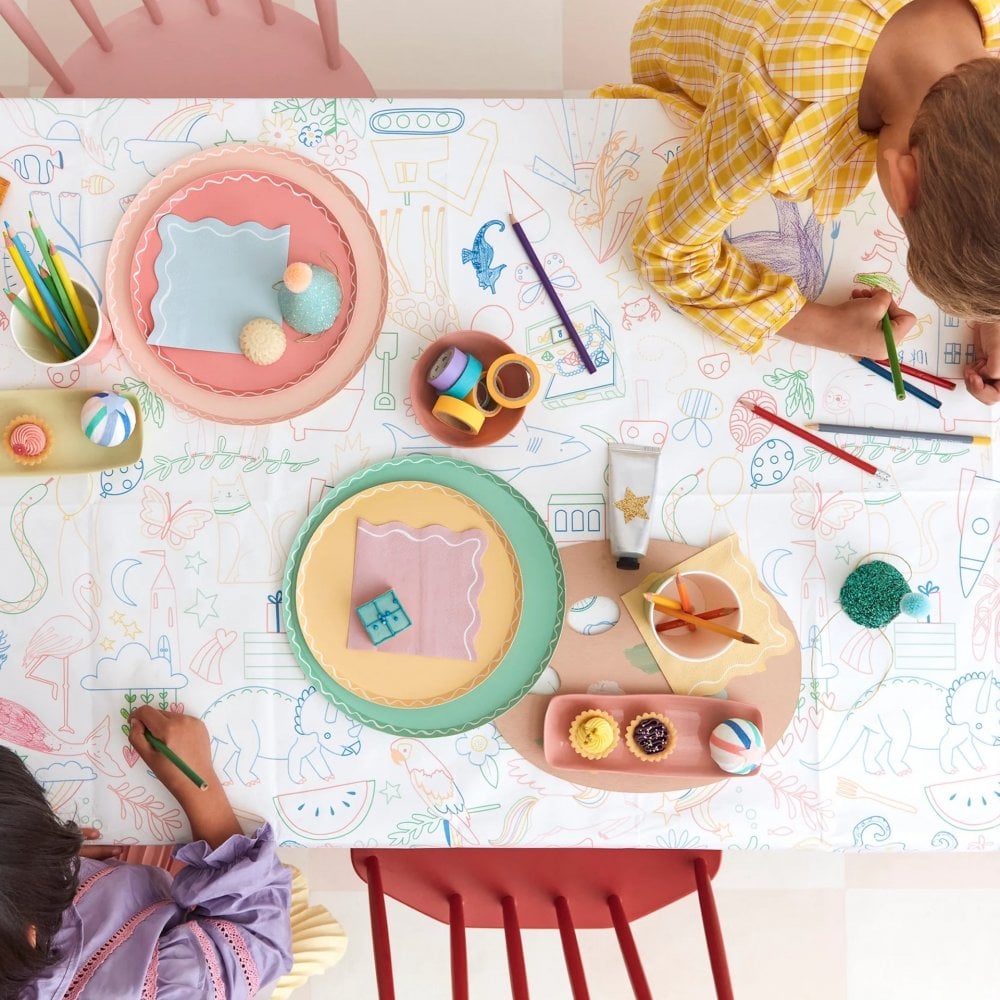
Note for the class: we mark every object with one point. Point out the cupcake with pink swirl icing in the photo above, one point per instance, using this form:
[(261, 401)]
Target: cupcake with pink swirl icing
[(28, 440)]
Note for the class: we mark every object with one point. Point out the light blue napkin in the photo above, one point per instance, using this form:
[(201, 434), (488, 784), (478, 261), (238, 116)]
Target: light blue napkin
[(213, 279)]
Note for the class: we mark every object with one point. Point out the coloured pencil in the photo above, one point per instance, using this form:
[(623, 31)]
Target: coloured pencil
[(801, 432), (890, 345), (941, 383), (71, 294), (896, 432), (162, 748), (682, 593), (56, 285), (36, 299), (36, 321), (705, 616), (911, 389), (664, 603), (587, 360)]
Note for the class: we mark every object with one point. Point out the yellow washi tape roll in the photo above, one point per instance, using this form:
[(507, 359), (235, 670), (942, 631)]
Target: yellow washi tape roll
[(459, 414), (513, 381), (481, 399)]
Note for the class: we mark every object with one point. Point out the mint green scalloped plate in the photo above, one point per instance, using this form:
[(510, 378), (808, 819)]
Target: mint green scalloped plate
[(542, 613)]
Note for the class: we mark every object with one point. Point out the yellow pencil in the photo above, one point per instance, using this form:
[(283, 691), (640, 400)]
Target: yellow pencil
[(676, 611), (74, 299), (36, 299)]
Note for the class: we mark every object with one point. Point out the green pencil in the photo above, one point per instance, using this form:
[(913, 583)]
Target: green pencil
[(55, 285), (35, 320), (162, 747)]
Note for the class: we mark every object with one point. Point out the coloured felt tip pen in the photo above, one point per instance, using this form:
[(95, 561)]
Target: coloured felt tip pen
[(633, 488)]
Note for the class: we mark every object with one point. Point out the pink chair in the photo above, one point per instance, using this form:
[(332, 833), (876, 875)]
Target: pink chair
[(201, 48), (564, 889)]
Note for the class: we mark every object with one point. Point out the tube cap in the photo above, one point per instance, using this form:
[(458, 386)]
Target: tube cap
[(628, 562)]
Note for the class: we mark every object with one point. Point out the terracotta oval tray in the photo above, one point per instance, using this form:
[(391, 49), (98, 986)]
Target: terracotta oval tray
[(695, 718)]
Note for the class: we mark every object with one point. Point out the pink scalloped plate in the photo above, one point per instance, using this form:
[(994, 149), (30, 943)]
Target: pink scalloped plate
[(234, 197), (341, 352)]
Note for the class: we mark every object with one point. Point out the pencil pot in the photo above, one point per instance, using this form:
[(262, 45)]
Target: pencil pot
[(707, 592), (40, 348)]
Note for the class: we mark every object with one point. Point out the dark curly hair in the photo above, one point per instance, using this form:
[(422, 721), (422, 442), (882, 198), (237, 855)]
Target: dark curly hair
[(39, 870)]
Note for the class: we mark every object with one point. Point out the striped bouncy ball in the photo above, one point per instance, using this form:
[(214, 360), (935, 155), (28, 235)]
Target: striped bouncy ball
[(107, 419), (737, 746)]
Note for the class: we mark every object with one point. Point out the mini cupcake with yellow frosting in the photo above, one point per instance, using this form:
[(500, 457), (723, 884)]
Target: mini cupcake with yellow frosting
[(593, 734)]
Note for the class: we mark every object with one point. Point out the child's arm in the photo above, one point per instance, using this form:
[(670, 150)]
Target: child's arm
[(234, 890), (730, 159)]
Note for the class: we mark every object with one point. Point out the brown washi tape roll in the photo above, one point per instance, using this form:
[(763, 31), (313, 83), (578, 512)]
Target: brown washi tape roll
[(457, 413), (481, 399), (513, 381)]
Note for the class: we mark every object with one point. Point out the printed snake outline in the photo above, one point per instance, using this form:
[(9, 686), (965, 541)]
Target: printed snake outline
[(39, 578)]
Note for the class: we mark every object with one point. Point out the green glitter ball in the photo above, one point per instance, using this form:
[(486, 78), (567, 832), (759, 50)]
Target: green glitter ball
[(871, 594)]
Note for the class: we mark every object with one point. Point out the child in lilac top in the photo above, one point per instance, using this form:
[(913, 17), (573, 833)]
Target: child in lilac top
[(90, 927)]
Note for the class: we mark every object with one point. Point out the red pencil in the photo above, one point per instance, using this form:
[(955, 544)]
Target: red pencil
[(942, 383), (801, 432), (705, 616)]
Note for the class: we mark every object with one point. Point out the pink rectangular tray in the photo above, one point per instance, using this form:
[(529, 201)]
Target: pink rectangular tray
[(695, 718)]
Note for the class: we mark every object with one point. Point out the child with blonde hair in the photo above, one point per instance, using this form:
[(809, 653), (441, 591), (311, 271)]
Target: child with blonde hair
[(806, 100)]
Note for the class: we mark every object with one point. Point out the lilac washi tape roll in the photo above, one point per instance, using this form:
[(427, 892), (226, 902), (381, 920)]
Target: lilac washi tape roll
[(447, 370)]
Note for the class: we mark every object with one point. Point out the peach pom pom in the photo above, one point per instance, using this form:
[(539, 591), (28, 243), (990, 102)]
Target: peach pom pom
[(297, 277)]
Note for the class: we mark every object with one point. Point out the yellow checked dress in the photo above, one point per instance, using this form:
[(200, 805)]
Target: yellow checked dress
[(771, 90)]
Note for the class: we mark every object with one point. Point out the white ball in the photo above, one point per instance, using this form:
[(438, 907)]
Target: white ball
[(108, 419), (737, 746)]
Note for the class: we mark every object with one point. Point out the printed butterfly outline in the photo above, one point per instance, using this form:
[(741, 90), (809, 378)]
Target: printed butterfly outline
[(828, 516), (175, 527), (558, 271)]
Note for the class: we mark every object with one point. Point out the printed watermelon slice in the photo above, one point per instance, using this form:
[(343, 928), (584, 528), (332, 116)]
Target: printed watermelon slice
[(327, 813), (971, 804)]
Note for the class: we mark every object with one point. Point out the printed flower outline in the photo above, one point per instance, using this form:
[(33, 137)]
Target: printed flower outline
[(481, 748), (338, 150), (279, 130), (678, 840), (311, 135)]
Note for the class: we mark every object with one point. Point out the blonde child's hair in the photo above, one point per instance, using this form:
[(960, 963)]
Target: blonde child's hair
[(954, 227)]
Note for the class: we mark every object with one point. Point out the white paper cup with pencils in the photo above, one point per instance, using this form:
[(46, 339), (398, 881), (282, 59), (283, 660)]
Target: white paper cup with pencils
[(708, 594), (50, 347)]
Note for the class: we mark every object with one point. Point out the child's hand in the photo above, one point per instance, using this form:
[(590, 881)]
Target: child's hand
[(98, 852), (859, 323), (186, 736), (982, 378)]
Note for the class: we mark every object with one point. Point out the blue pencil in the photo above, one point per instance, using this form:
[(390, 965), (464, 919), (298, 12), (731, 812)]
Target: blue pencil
[(910, 388), (43, 290)]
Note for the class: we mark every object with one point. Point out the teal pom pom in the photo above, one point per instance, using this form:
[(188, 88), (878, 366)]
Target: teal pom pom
[(315, 309), (915, 605), (871, 595)]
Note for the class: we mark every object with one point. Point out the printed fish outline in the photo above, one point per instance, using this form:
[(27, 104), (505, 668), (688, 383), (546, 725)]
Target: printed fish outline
[(481, 257)]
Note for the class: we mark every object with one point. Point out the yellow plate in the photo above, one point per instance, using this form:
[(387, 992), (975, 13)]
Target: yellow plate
[(324, 605), (71, 451)]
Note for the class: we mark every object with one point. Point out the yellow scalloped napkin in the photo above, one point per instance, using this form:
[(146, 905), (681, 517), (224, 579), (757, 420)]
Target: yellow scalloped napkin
[(760, 619)]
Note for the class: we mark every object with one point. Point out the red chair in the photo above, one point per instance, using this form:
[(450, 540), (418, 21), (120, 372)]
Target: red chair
[(200, 48), (564, 889)]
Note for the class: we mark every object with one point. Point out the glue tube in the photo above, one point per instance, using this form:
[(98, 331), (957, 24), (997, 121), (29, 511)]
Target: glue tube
[(633, 491)]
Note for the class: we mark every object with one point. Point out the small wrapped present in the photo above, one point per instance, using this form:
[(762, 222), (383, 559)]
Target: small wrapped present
[(274, 622), (383, 617)]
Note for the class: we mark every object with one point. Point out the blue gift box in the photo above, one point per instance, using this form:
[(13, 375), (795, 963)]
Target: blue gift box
[(383, 617)]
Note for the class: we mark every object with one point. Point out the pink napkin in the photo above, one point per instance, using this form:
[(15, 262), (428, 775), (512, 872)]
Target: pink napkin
[(437, 576)]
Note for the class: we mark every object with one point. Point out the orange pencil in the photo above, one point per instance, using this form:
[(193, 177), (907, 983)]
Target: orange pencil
[(686, 605), (664, 603)]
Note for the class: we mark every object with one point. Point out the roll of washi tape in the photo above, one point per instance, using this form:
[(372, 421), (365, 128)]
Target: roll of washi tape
[(467, 380), (513, 381), (459, 414), (447, 370), (481, 399)]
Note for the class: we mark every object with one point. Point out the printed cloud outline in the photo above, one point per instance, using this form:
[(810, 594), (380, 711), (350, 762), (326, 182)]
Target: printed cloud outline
[(65, 770), (133, 668)]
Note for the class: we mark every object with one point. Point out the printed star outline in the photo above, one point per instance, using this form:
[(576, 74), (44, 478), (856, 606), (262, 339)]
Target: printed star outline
[(203, 607), (633, 506), (846, 552)]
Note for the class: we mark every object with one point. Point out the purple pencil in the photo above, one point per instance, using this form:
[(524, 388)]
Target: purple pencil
[(553, 298)]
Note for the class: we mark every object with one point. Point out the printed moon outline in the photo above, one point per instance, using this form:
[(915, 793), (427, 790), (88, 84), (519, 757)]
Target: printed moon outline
[(118, 580), (769, 568)]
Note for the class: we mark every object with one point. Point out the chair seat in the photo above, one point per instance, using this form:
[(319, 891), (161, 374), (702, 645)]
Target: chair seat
[(193, 54)]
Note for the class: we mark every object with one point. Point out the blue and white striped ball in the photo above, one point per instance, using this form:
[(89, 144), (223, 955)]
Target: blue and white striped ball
[(108, 419), (737, 746)]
